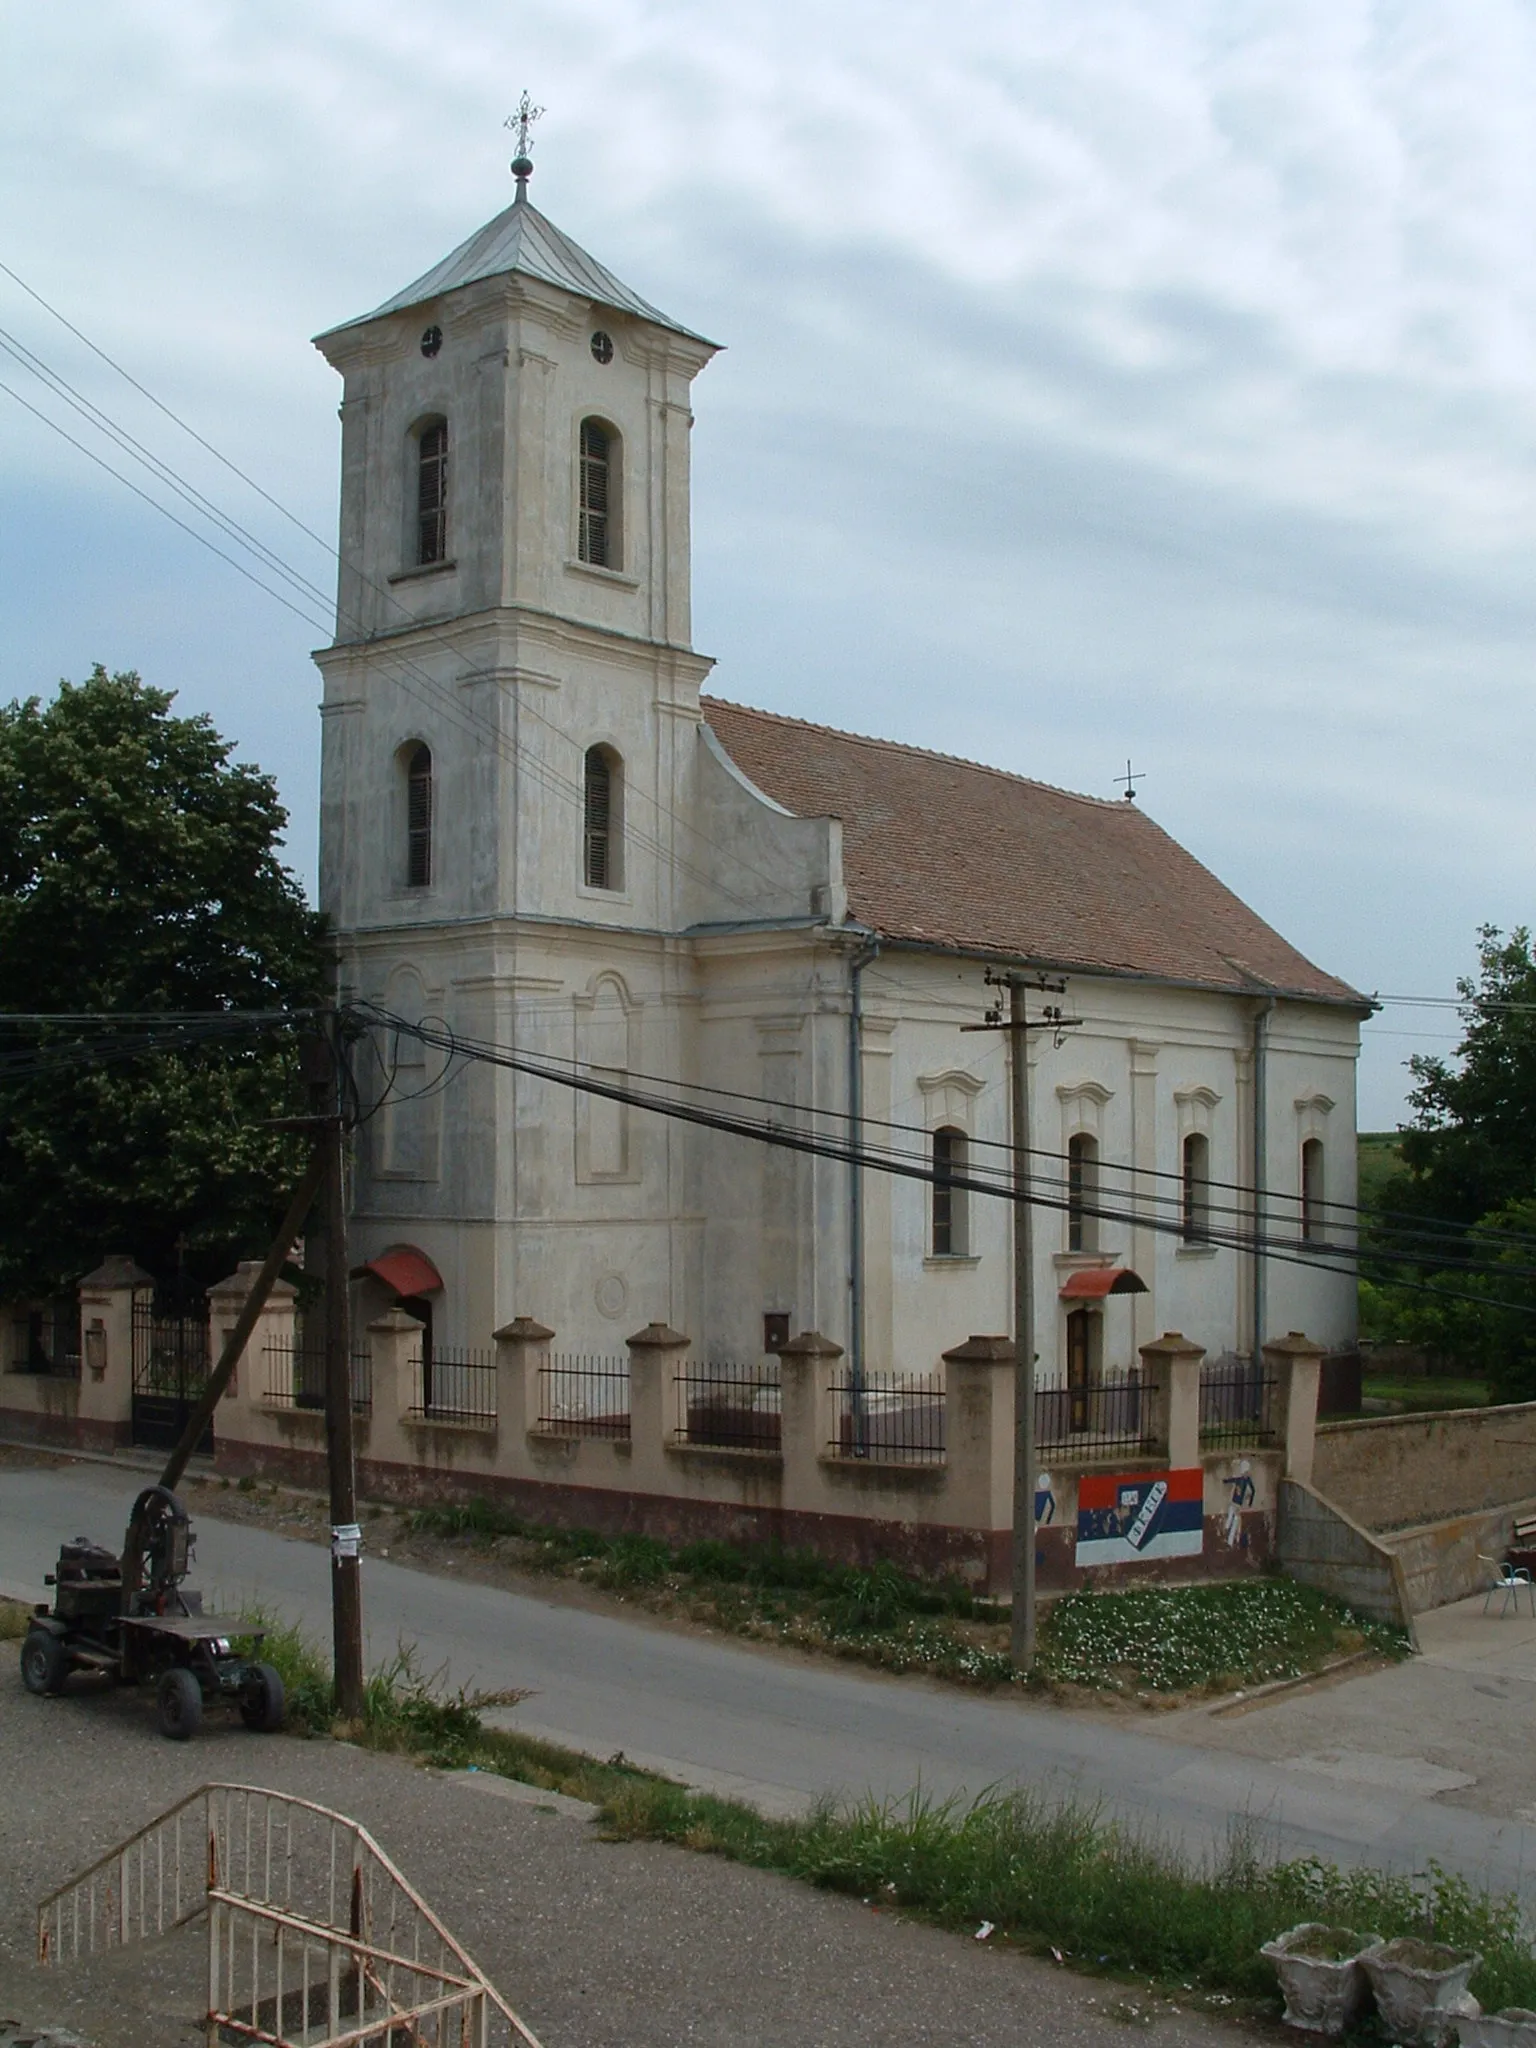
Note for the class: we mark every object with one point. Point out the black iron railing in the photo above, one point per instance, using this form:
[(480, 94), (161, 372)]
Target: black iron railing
[(582, 1395), (295, 1376), (455, 1386), (731, 1407), (1237, 1400), (891, 1417), (1101, 1419)]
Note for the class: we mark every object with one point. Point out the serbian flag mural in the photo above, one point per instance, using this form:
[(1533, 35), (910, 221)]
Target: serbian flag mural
[(1153, 1514)]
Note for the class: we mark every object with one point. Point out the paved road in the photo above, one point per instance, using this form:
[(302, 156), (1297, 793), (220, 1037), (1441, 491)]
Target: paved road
[(725, 1715)]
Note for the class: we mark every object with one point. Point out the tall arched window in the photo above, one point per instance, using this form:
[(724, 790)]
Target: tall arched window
[(597, 539), (1312, 1220), (1195, 1190), (950, 1219), (418, 818), (603, 820), (1082, 1193), (432, 494)]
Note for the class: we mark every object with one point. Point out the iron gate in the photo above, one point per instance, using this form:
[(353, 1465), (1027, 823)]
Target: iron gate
[(170, 1371)]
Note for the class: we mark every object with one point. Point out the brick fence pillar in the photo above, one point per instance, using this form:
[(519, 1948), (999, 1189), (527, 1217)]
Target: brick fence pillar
[(107, 1298), (810, 1369), (1297, 1363), (1172, 1364), (978, 1434), (655, 1353), (522, 1353)]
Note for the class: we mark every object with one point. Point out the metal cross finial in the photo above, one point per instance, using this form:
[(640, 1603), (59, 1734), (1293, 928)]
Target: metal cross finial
[(1131, 780), (522, 120)]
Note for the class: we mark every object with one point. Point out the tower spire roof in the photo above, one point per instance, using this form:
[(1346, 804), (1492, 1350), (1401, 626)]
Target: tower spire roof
[(521, 241)]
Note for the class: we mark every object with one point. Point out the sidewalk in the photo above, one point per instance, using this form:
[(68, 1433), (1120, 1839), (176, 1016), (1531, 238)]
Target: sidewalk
[(596, 1944), (1450, 1724)]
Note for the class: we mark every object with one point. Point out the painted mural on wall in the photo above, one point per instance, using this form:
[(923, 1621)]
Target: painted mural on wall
[(1144, 1516)]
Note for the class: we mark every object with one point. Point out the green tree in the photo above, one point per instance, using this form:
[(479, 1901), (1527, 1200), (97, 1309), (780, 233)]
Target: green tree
[(140, 872), (1468, 1189)]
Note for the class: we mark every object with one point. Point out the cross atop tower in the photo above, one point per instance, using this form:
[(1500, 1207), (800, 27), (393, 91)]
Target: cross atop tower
[(1131, 781), (522, 119)]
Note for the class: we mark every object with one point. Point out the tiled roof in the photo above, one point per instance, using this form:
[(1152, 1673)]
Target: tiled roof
[(960, 855), (521, 239)]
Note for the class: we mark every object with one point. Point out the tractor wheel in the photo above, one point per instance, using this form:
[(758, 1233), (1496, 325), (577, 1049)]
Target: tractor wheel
[(261, 1700), (179, 1703), (44, 1661)]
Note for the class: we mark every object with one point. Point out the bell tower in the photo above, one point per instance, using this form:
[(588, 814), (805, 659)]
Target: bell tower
[(514, 573)]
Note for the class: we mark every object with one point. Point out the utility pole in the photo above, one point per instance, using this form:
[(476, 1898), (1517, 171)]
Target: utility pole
[(1018, 1026), (346, 1537)]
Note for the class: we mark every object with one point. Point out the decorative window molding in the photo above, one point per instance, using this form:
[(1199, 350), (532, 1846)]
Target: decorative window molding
[(948, 1097), (1312, 1114), (1196, 1109), (1082, 1110)]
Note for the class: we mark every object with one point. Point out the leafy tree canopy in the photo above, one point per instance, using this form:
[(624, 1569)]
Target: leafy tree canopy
[(1469, 1186), (140, 871)]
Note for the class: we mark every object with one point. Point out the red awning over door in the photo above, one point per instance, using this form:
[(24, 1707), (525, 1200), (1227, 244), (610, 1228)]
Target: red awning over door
[(1098, 1281), (406, 1270)]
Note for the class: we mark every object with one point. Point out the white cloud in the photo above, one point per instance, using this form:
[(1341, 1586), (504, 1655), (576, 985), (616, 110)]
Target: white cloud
[(1147, 375)]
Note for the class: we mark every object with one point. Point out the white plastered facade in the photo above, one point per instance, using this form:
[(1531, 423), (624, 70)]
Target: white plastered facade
[(725, 957)]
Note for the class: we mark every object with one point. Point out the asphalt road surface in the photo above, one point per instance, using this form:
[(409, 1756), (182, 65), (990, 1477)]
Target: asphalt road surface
[(743, 1720)]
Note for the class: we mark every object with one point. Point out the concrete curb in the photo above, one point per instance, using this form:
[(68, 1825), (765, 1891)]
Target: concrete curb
[(1263, 1694)]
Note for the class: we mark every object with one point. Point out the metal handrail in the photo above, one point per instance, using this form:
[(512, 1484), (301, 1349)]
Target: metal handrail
[(246, 1864)]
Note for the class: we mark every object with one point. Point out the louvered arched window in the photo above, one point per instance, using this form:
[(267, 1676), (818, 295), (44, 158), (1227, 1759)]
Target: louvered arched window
[(1195, 1203), (597, 539), (1082, 1193), (951, 1232), (602, 820), (418, 818), (432, 494), (1312, 1226)]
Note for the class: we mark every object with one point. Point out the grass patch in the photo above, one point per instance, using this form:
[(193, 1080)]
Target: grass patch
[(1424, 1393), (1150, 1641), (14, 1618), (1061, 1878)]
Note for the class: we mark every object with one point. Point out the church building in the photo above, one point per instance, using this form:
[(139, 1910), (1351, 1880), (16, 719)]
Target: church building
[(540, 831)]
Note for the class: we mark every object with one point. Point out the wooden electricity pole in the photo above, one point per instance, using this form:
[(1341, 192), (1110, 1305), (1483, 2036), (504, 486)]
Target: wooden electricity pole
[(346, 1538), (1018, 1025)]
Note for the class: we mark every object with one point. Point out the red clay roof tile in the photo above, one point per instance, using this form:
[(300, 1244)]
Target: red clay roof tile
[(962, 855)]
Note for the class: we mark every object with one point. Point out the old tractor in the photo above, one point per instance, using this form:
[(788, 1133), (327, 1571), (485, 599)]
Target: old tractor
[(132, 1619)]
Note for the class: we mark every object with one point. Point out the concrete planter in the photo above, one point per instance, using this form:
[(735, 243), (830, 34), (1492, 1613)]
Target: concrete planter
[(1514, 2027), (1421, 1990), (1320, 1974)]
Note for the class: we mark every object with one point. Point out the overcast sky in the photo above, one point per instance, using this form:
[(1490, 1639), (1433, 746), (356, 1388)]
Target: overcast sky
[(1121, 377)]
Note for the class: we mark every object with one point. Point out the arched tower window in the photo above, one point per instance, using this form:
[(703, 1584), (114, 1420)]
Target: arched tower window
[(1082, 1193), (1195, 1190), (418, 818), (603, 820), (951, 1220), (432, 493), (1312, 1222), (597, 539)]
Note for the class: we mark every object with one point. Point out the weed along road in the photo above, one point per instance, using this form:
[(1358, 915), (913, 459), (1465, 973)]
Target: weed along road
[(783, 1730)]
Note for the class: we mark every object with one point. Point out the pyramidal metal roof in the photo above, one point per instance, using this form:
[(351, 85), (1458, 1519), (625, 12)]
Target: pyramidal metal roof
[(523, 241)]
